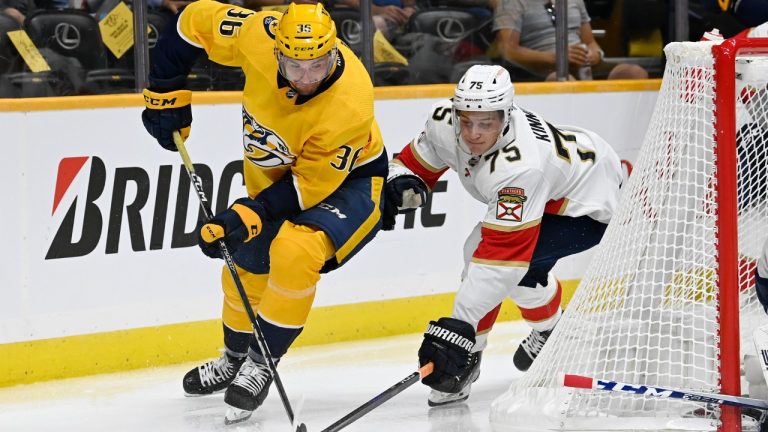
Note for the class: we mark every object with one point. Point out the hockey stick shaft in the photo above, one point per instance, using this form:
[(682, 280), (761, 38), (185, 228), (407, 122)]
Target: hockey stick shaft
[(197, 184), (578, 381), (380, 398)]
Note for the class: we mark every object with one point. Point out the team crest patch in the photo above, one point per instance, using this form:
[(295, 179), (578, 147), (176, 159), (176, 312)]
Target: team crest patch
[(270, 23), (263, 146), (509, 207)]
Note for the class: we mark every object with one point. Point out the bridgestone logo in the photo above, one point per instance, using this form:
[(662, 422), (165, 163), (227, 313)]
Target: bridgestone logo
[(450, 337)]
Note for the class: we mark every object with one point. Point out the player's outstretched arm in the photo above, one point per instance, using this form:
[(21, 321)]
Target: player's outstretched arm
[(167, 101), (213, 25), (404, 192)]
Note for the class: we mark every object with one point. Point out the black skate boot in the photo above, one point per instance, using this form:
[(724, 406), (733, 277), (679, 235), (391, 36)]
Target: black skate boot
[(529, 349), (247, 391), (213, 376), (438, 398)]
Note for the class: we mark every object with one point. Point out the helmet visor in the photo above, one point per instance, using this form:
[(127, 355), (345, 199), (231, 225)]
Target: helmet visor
[(306, 71)]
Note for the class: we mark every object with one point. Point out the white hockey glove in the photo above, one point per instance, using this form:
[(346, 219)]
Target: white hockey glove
[(404, 193)]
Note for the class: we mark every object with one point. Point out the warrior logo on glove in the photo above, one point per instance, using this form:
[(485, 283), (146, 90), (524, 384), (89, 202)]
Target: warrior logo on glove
[(448, 344), (449, 336)]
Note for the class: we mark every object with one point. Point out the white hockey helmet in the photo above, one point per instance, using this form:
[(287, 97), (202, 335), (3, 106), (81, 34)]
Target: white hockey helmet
[(483, 88)]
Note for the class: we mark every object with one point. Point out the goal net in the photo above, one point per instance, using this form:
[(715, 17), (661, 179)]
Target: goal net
[(672, 280)]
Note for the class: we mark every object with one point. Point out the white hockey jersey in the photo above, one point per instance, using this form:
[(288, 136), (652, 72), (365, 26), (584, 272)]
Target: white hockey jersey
[(536, 168)]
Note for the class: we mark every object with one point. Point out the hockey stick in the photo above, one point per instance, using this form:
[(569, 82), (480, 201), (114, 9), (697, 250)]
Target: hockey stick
[(206, 206), (578, 381), (380, 398)]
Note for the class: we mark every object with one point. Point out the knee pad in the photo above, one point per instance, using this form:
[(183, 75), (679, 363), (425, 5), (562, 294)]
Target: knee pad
[(233, 312), (539, 306), (296, 256)]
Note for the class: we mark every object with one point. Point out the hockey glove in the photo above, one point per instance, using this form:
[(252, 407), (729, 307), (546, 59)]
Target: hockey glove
[(166, 113), (403, 193), (448, 344), (236, 225)]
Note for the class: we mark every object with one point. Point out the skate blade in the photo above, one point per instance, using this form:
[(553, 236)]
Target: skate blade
[(236, 415), (447, 402), (195, 395)]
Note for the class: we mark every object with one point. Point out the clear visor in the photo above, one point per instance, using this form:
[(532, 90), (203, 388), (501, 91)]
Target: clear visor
[(484, 124), (306, 71)]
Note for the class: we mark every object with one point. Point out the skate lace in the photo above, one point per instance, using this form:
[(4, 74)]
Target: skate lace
[(215, 371), (534, 343), (252, 376)]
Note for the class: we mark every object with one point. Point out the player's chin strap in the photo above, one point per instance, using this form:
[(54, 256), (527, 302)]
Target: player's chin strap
[(197, 183)]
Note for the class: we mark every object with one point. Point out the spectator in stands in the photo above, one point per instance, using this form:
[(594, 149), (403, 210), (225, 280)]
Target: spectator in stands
[(173, 6), (525, 33), (389, 16), (17, 9)]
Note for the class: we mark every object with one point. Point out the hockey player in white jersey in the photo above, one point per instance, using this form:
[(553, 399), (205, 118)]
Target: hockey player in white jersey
[(550, 192), (761, 277)]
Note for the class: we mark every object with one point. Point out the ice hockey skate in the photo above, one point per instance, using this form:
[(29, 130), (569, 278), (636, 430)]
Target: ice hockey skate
[(529, 349), (438, 398), (213, 376), (247, 391)]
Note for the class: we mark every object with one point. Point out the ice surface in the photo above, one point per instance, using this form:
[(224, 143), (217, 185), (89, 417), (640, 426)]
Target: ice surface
[(333, 380)]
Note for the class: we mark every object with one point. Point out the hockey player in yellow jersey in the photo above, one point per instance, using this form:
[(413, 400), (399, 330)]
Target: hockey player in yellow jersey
[(314, 166)]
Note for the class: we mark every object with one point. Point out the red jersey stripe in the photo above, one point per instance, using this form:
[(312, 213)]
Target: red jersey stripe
[(547, 311), (421, 169), (507, 245), (556, 207), (486, 323)]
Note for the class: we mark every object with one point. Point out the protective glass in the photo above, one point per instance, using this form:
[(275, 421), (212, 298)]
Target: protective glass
[(306, 71)]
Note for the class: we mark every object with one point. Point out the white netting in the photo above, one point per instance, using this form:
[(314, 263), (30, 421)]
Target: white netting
[(646, 311)]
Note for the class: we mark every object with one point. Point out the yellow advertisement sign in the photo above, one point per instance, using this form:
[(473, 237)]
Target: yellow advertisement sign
[(28, 51), (383, 51), (117, 30)]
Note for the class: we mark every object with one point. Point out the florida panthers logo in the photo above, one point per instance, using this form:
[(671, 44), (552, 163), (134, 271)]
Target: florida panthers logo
[(262, 146)]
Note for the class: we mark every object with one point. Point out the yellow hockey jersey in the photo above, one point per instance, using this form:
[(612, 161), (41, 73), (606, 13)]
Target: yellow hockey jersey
[(319, 138)]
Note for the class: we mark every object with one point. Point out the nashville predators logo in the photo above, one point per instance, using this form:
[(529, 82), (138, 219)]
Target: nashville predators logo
[(262, 146), (270, 24), (510, 204)]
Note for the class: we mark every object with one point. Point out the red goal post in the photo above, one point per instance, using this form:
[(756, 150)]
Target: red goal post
[(668, 296)]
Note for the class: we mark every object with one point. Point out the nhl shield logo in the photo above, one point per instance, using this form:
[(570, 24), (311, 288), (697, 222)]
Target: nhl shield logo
[(509, 206)]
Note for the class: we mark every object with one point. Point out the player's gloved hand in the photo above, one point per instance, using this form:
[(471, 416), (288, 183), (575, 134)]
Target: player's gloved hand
[(448, 344), (236, 225), (404, 192), (166, 113)]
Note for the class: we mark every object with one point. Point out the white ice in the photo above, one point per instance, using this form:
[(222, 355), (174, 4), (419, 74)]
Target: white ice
[(332, 379)]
